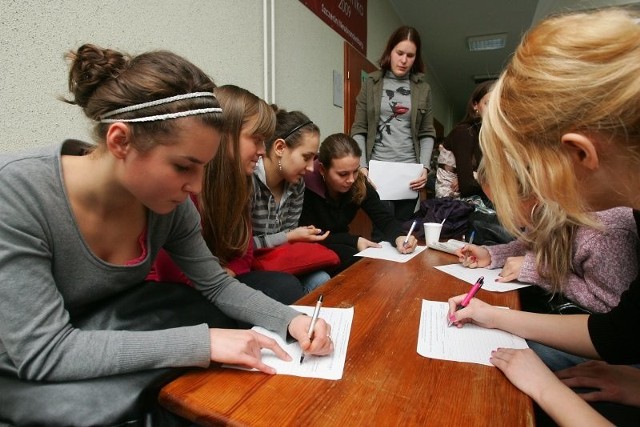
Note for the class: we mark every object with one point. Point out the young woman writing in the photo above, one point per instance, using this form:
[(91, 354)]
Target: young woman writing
[(83, 222), (563, 126), (335, 191)]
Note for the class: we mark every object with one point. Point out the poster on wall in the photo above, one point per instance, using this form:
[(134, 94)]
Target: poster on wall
[(347, 17)]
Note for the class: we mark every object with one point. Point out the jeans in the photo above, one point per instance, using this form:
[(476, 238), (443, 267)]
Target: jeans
[(312, 280), (555, 360)]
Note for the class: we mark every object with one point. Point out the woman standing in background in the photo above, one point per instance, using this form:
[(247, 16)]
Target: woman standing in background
[(394, 118)]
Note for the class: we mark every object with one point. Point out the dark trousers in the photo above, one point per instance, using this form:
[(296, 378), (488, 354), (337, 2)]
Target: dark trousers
[(402, 211), (282, 287)]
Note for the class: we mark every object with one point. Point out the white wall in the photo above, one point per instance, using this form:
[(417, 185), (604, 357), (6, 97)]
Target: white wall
[(223, 37), (306, 53)]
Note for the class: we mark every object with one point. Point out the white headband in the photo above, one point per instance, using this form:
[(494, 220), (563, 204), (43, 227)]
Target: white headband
[(167, 116)]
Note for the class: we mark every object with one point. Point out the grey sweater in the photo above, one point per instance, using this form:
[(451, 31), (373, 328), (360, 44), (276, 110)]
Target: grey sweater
[(47, 270)]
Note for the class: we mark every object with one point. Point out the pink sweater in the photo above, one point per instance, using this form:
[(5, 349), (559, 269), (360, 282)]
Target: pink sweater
[(603, 264)]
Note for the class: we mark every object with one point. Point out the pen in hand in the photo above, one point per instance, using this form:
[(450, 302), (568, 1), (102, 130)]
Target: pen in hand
[(465, 302), (465, 262), (406, 239), (314, 318)]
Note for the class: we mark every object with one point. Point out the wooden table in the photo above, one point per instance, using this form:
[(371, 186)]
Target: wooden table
[(385, 380)]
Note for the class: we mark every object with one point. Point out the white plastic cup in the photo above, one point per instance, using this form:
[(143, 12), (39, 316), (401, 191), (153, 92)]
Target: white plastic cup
[(432, 232)]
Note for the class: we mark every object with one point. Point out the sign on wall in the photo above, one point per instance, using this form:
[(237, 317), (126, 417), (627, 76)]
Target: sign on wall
[(347, 17)]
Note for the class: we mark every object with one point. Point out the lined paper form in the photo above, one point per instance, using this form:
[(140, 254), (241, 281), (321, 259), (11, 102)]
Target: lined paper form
[(470, 275), (328, 367), (471, 343), (389, 253)]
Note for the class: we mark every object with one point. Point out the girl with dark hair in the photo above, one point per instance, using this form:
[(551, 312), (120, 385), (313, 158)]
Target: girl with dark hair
[(463, 141), (278, 187), (394, 118), (225, 201), (83, 223), (335, 191)]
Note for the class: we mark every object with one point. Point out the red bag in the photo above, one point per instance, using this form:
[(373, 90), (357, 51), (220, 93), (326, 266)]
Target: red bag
[(295, 258)]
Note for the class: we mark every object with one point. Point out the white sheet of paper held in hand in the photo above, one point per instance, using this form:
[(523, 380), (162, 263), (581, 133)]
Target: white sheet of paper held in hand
[(392, 179), (470, 275), (328, 367), (389, 253), (471, 343)]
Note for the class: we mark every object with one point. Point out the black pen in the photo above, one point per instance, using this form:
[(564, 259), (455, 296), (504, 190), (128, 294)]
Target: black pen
[(314, 318)]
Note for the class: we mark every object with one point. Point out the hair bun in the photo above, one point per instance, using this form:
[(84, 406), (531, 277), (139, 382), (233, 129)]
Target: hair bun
[(90, 67)]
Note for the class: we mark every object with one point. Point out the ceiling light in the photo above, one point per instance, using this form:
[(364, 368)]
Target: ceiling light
[(487, 42), (479, 78)]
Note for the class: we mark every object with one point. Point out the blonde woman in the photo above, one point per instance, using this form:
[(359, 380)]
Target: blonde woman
[(571, 260), (563, 126)]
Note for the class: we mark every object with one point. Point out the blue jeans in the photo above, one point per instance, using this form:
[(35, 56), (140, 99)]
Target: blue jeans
[(618, 414), (555, 360), (312, 280)]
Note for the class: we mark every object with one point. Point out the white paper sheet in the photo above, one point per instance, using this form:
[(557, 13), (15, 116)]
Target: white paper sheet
[(471, 275), (392, 179), (471, 343), (328, 367), (389, 253)]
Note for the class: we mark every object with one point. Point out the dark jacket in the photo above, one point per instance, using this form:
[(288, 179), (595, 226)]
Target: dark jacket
[(614, 334), (464, 142), (335, 215)]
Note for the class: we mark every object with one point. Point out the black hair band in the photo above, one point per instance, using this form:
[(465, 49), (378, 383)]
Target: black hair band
[(297, 128)]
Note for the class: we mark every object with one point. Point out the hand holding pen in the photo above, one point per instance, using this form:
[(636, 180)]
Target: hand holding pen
[(465, 302), (314, 319), (466, 252), (409, 243), (473, 256)]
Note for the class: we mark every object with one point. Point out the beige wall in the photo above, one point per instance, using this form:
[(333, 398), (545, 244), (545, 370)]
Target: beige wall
[(223, 37)]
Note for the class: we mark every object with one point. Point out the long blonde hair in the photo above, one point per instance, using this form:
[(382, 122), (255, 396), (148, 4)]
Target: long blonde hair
[(571, 73), (227, 190)]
